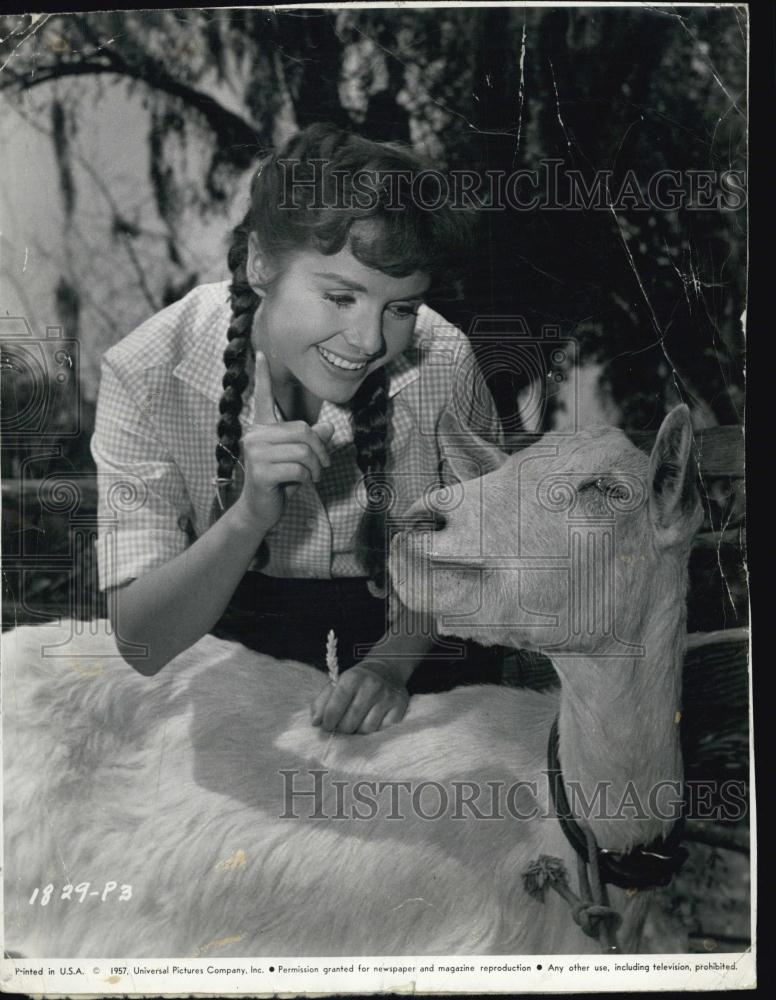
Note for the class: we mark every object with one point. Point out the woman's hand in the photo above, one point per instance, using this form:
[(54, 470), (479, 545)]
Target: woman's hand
[(278, 457), (369, 696)]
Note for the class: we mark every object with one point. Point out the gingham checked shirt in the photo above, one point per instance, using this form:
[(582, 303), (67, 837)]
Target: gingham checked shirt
[(155, 438)]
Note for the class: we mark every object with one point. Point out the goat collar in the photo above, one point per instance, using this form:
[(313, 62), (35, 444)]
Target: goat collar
[(643, 867)]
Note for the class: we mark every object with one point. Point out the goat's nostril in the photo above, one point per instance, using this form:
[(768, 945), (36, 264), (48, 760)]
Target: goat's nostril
[(427, 520), (439, 521)]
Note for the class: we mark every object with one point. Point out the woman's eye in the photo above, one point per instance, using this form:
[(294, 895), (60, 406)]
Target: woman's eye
[(341, 301)]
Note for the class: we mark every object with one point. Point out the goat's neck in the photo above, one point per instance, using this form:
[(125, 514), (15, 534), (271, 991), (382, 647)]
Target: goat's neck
[(619, 726)]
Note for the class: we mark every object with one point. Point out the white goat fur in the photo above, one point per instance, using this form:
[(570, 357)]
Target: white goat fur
[(171, 784)]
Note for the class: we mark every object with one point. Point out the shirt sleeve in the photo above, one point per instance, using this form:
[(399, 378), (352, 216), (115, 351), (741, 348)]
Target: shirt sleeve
[(142, 500)]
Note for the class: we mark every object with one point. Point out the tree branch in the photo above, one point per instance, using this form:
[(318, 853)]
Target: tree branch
[(238, 138)]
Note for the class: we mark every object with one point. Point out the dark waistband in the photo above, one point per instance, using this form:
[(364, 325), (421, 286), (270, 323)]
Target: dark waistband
[(304, 583), (300, 593)]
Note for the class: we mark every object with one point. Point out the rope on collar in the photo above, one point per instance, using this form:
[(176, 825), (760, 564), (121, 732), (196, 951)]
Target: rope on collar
[(643, 867)]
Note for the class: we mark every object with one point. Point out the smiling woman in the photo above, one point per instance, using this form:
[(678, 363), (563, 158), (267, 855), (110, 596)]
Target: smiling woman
[(327, 331), (335, 379)]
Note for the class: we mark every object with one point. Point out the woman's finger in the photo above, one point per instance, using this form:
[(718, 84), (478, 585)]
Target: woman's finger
[(394, 714), (373, 718), (337, 706), (319, 704), (280, 473), (369, 693), (290, 432), (263, 401), (280, 454), (303, 432), (324, 431)]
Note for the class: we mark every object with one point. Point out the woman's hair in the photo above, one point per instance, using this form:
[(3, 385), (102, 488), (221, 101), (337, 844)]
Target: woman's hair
[(308, 196)]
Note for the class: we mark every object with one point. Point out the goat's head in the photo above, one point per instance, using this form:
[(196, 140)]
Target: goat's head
[(564, 546)]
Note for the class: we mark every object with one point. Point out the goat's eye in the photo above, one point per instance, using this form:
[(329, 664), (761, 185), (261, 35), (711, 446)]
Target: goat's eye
[(612, 489)]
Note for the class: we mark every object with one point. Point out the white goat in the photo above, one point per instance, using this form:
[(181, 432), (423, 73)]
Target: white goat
[(173, 785)]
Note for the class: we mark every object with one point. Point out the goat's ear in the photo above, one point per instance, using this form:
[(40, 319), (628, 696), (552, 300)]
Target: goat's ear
[(674, 508), (468, 455)]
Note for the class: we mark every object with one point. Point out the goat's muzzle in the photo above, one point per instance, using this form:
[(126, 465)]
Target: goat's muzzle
[(423, 519)]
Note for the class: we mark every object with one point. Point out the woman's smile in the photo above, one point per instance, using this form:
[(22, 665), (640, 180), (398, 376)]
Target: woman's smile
[(342, 364)]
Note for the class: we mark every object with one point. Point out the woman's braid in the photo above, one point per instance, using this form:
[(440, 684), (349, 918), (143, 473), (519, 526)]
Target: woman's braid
[(244, 303), (371, 423)]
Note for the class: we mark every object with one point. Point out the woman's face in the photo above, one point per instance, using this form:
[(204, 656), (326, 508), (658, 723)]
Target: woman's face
[(327, 321)]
